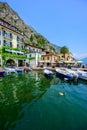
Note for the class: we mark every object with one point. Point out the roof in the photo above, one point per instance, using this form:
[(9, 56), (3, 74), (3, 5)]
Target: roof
[(33, 46)]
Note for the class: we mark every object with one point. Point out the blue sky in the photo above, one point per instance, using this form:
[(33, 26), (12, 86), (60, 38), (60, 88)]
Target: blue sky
[(62, 22)]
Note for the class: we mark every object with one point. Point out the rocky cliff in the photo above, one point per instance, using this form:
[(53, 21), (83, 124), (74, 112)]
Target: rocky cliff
[(31, 36)]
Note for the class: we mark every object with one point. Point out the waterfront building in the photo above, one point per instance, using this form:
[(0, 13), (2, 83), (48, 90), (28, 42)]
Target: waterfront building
[(11, 45), (49, 59), (65, 60), (33, 55)]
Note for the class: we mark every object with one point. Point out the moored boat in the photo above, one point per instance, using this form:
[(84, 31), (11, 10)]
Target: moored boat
[(73, 72), (27, 69), (19, 70), (2, 72), (82, 74), (48, 73), (9, 70), (64, 74)]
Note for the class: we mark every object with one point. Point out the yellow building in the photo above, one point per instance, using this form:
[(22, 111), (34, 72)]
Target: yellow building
[(11, 45), (49, 59), (66, 59)]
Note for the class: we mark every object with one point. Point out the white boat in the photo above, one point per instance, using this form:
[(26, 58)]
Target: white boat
[(82, 74), (48, 73), (73, 72), (61, 72), (9, 70)]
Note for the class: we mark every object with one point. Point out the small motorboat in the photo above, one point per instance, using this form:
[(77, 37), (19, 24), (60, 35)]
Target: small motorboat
[(73, 72), (9, 70), (82, 74), (64, 74), (48, 73)]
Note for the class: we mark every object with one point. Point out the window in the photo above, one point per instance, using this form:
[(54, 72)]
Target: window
[(17, 38), (10, 35), (0, 32), (22, 40), (3, 32), (10, 44), (17, 45), (4, 42), (47, 58)]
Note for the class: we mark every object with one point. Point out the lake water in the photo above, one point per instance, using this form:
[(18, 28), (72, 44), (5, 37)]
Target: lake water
[(33, 102)]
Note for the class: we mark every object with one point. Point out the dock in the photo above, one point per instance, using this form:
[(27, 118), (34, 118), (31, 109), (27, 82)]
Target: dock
[(83, 69)]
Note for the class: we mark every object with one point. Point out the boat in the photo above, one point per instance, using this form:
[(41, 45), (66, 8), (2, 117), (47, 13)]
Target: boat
[(27, 69), (61, 72), (82, 74), (48, 73), (2, 72), (73, 72), (19, 70), (9, 70)]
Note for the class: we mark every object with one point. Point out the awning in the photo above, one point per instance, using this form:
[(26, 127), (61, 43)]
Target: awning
[(69, 62), (14, 51)]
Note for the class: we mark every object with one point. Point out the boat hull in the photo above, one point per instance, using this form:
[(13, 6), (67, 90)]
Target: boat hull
[(69, 77), (49, 75), (2, 73), (19, 71), (82, 75)]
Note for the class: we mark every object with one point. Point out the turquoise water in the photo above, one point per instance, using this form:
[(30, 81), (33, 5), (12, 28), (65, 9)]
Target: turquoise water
[(33, 102)]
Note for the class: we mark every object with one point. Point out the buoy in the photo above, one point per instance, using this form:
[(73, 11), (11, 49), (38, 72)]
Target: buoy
[(65, 79), (61, 93)]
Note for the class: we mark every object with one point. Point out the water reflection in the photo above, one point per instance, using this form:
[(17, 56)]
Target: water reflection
[(16, 92), (43, 99)]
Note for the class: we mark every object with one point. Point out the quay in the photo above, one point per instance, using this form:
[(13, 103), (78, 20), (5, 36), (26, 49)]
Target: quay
[(83, 69)]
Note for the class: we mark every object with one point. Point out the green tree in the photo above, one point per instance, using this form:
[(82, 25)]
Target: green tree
[(64, 50)]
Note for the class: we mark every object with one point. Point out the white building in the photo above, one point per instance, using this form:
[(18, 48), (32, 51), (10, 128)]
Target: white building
[(33, 54)]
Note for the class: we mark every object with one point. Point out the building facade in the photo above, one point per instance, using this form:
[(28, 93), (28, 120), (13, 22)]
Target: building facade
[(33, 55), (49, 59), (65, 60), (11, 45)]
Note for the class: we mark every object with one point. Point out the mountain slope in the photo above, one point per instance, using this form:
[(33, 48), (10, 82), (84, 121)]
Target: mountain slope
[(31, 36), (84, 60)]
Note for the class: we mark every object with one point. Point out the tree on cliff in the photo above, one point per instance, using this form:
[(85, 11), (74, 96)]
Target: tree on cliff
[(64, 50)]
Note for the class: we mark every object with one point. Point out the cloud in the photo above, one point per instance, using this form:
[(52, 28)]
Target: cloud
[(80, 56)]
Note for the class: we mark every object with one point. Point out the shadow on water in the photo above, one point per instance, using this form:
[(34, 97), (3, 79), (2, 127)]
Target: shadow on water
[(16, 92)]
